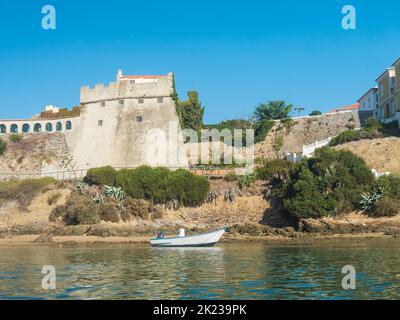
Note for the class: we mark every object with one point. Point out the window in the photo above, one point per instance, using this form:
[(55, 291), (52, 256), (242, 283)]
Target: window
[(14, 128), (49, 127), (381, 90), (121, 102), (37, 127), (59, 126), (26, 128), (132, 81), (68, 125), (103, 103), (141, 100), (100, 123), (3, 128), (139, 119), (160, 100)]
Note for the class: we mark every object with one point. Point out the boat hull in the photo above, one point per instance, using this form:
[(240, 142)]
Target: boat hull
[(202, 240)]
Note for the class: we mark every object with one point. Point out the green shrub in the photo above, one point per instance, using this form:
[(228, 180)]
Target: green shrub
[(108, 212), (278, 142), (24, 191), (287, 123), (373, 125), (186, 187), (354, 135), (78, 210), (390, 185), (230, 177), (3, 146), (261, 130), (385, 207), (160, 185), (271, 168), (247, 180), (15, 137), (137, 208), (329, 184), (101, 176)]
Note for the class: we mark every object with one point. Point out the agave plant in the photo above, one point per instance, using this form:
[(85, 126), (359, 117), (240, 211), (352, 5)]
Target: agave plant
[(115, 192), (368, 200), (98, 199), (80, 186)]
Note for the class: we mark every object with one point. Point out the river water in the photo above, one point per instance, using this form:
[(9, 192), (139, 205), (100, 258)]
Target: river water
[(229, 271)]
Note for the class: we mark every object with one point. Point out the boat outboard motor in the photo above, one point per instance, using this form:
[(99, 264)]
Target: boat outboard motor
[(181, 233)]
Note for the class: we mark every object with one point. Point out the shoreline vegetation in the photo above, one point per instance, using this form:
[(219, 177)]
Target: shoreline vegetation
[(331, 196)]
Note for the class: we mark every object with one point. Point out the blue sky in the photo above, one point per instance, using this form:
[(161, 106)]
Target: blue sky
[(235, 53)]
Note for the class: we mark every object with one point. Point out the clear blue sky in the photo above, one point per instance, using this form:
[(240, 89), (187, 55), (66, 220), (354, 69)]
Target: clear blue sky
[(235, 53)]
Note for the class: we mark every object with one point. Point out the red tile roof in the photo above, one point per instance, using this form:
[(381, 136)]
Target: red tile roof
[(355, 106)]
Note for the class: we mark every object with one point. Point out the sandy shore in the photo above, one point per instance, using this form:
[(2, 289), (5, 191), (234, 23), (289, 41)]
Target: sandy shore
[(80, 240)]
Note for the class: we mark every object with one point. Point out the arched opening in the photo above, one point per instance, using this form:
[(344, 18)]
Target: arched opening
[(49, 127), (59, 126), (26, 128), (37, 127), (14, 128), (68, 125), (3, 128)]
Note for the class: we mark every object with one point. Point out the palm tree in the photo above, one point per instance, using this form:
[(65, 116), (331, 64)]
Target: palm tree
[(273, 110)]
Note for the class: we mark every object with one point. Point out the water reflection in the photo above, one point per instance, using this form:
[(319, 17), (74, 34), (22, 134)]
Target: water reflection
[(227, 272)]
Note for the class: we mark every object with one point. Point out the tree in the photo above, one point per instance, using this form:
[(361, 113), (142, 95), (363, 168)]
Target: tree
[(315, 113), (273, 110), (191, 112)]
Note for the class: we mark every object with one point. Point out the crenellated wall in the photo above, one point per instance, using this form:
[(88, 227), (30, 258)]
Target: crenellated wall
[(161, 86)]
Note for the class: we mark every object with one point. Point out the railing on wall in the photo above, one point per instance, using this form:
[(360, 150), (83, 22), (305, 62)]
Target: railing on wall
[(58, 175)]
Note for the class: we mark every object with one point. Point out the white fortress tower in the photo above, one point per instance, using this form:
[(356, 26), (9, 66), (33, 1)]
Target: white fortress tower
[(130, 122)]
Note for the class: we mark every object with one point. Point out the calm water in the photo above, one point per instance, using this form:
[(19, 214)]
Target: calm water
[(239, 271)]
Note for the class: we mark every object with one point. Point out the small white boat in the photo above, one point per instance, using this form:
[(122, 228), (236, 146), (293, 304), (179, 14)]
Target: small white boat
[(200, 240)]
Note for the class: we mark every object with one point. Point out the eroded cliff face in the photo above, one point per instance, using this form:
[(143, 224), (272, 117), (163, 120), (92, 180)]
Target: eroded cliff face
[(35, 154)]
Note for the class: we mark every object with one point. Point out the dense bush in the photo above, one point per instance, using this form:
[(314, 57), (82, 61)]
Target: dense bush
[(269, 169), (230, 177), (384, 197), (354, 135), (184, 186), (157, 185), (373, 124), (108, 212), (385, 207), (78, 210), (389, 184), (373, 129), (101, 176), (24, 191), (160, 185), (15, 137), (3, 146), (261, 130), (328, 184)]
